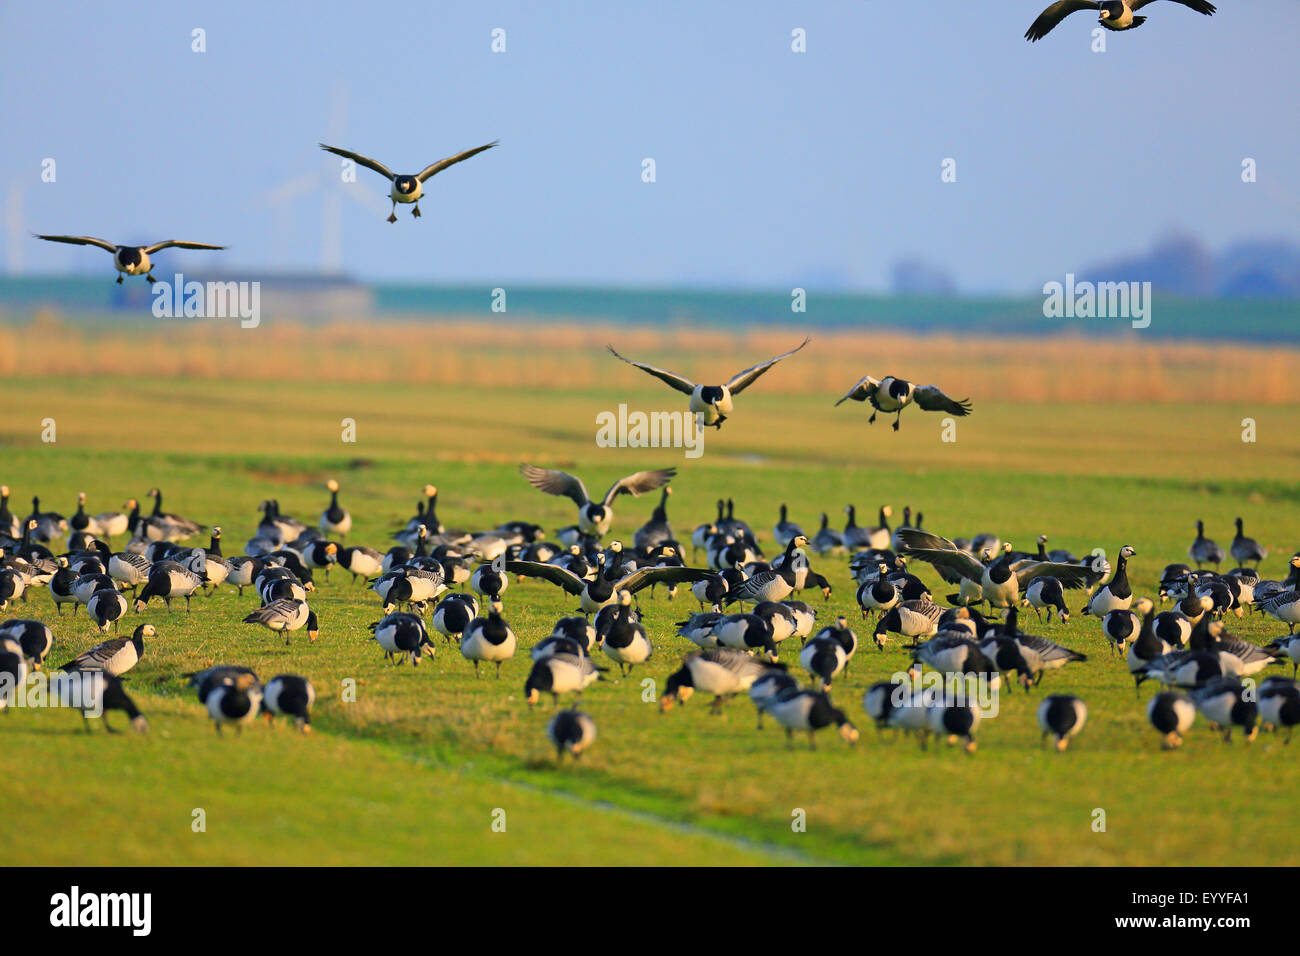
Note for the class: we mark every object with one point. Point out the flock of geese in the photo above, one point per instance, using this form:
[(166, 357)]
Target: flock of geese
[(453, 583)]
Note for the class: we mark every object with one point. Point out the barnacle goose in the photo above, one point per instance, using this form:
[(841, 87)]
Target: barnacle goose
[(236, 703), (809, 710), (1046, 593), (891, 395), (1279, 705), (1114, 15), (33, 637), (572, 731), (609, 581), (1121, 625), (130, 260), (452, 616), (823, 658), (1289, 645), (405, 188), (785, 529), (285, 616), (334, 519), (171, 579), (657, 530), (772, 684), (1062, 716), (289, 695), (698, 628), (745, 632), (97, 692), (626, 641), (403, 637), (106, 607), (488, 639), (559, 674), (774, 584), (914, 619), (954, 722), (594, 517), (13, 671), (1116, 594), (892, 704), (1226, 703), (720, 672), (1203, 550), (827, 539), (114, 657), (878, 594)]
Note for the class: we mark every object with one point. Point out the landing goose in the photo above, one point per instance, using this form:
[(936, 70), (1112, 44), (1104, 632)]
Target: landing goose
[(1245, 549), (334, 519), (403, 637), (593, 595), (236, 703), (286, 616), (1116, 594), (1226, 703), (1204, 550), (1112, 14), (559, 674), (720, 672), (594, 517), (34, 638), (130, 260), (891, 395), (1062, 716), (713, 402), (488, 639), (114, 657), (810, 711), (571, 731), (288, 695), (406, 189)]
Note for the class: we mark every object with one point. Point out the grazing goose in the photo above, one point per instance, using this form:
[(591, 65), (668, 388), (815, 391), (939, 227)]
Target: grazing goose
[(1204, 550), (745, 632), (768, 687), (699, 629), (403, 637), (171, 579), (1226, 703), (406, 189), (9, 522), (1238, 658), (363, 563), (823, 658), (235, 703), (114, 657), (1040, 655), (106, 607), (1122, 625), (1289, 645), (1062, 716), (710, 591), (334, 519), (1245, 549), (893, 705), (713, 402), (1148, 647), (891, 395), (1046, 593), (285, 616), (1112, 14), (488, 639), (33, 637), (826, 539), (577, 629), (785, 530), (13, 672), (773, 584), (1183, 669), (12, 586), (626, 641), (559, 674), (594, 518), (98, 692), (720, 672), (489, 583), (914, 619), (953, 722), (804, 618), (1279, 705), (809, 710), (130, 260), (572, 731), (1116, 594), (289, 695), (210, 678)]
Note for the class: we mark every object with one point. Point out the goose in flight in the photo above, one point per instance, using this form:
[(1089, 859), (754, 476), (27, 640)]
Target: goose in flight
[(892, 395), (594, 517), (130, 260), (608, 585), (406, 189), (1112, 14), (711, 401)]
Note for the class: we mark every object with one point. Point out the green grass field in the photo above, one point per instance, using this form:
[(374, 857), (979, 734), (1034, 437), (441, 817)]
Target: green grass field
[(412, 772)]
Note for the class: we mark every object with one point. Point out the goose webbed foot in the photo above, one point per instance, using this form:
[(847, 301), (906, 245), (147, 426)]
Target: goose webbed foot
[(119, 280), (415, 213), (872, 419), (392, 216), (151, 279)]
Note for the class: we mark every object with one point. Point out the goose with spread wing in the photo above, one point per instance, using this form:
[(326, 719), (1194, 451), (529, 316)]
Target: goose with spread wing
[(999, 580), (891, 395), (714, 402), (593, 595), (406, 189), (1112, 14), (130, 260), (594, 517)]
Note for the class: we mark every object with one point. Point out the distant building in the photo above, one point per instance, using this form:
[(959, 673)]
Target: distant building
[(916, 277)]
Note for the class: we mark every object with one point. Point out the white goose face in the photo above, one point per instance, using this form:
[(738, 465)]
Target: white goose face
[(1126, 552)]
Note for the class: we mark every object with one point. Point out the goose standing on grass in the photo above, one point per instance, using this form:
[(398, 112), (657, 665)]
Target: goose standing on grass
[(236, 703), (826, 539), (288, 695), (1062, 716), (334, 519), (12, 586), (891, 395), (914, 619), (657, 531), (713, 402), (106, 607), (453, 616), (785, 530), (594, 518), (1204, 550), (33, 637), (855, 536), (1115, 595), (1279, 705), (626, 641), (768, 687), (167, 526), (955, 722), (9, 522), (823, 658), (720, 672), (114, 657), (488, 639), (403, 637), (1046, 593), (560, 674), (1114, 15), (285, 616), (1245, 549), (96, 693), (810, 711), (772, 585), (1289, 645), (1122, 625), (361, 562), (406, 189), (571, 731), (130, 260), (172, 579), (13, 671), (1226, 703), (110, 524)]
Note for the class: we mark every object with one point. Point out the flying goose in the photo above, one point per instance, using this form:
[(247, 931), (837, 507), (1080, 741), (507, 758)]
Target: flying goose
[(594, 517), (335, 520), (286, 615), (289, 695), (1245, 549), (406, 188), (713, 402), (1062, 716), (571, 730), (130, 260), (891, 395), (608, 583), (1114, 15)]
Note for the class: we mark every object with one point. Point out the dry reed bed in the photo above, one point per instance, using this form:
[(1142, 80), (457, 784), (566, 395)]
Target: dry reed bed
[(538, 355)]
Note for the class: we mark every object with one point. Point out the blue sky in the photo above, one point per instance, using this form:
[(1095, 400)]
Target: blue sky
[(773, 168)]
